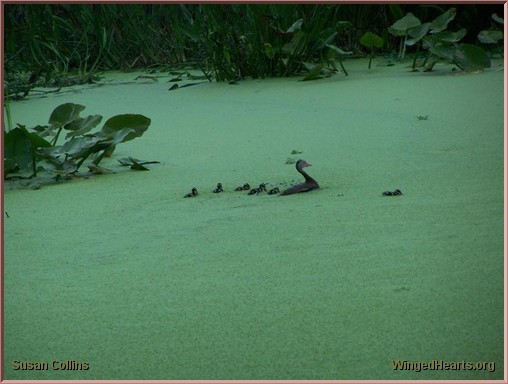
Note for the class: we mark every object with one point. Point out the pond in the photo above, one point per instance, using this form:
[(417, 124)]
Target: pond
[(121, 274)]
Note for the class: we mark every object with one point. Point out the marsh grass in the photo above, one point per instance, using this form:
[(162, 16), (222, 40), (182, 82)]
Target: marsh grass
[(65, 44)]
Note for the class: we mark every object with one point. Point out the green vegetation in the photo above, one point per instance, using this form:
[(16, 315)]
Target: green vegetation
[(27, 152), (63, 44), (440, 43), (371, 40)]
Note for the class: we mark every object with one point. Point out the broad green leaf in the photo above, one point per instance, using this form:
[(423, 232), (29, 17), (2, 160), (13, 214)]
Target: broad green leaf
[(417, 33), (137, 123), (82, 125), (444, 51), (37, 141), (490, 36), (18, 149), (64, 114), (78, 147), (441, 22), (370, 40), (401, 27), (471, 57), (450, 37)]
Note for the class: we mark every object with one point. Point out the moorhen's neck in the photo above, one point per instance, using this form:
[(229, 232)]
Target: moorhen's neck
[(299, 168)]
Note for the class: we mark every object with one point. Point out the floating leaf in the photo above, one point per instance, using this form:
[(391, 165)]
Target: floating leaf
[(371, 40), (97, 170), (135, 163)]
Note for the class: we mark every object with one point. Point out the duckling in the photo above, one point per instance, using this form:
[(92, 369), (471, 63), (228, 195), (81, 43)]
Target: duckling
[(397, 192), (193, 193), (262, 187), (244, 187), (218, 189), (273, 191)]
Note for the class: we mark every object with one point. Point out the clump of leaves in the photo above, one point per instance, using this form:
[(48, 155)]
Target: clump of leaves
[(492, 37), (28, 152), (440, 43)]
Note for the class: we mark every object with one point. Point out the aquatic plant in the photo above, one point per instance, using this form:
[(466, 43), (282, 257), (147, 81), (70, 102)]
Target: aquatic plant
[(28, 152), (440, 43), (65, 44), (371, 40), (492, 38), (401, 28)]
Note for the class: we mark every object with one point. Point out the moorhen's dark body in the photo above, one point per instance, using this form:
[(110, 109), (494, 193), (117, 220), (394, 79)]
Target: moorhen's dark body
[(309, 183)]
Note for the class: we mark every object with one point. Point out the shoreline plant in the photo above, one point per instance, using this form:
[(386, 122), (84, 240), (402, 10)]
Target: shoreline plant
[(29, 152)]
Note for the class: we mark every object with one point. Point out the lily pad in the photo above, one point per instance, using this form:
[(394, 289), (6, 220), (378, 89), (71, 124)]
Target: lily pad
[(82, 125), (20, 145), (402, 26), (441, 22), (417, 33), (64, 114), (444, 51), (17, 149), (490, 36), (450, 37), (371, 40), (472, 58), (126, 127)]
